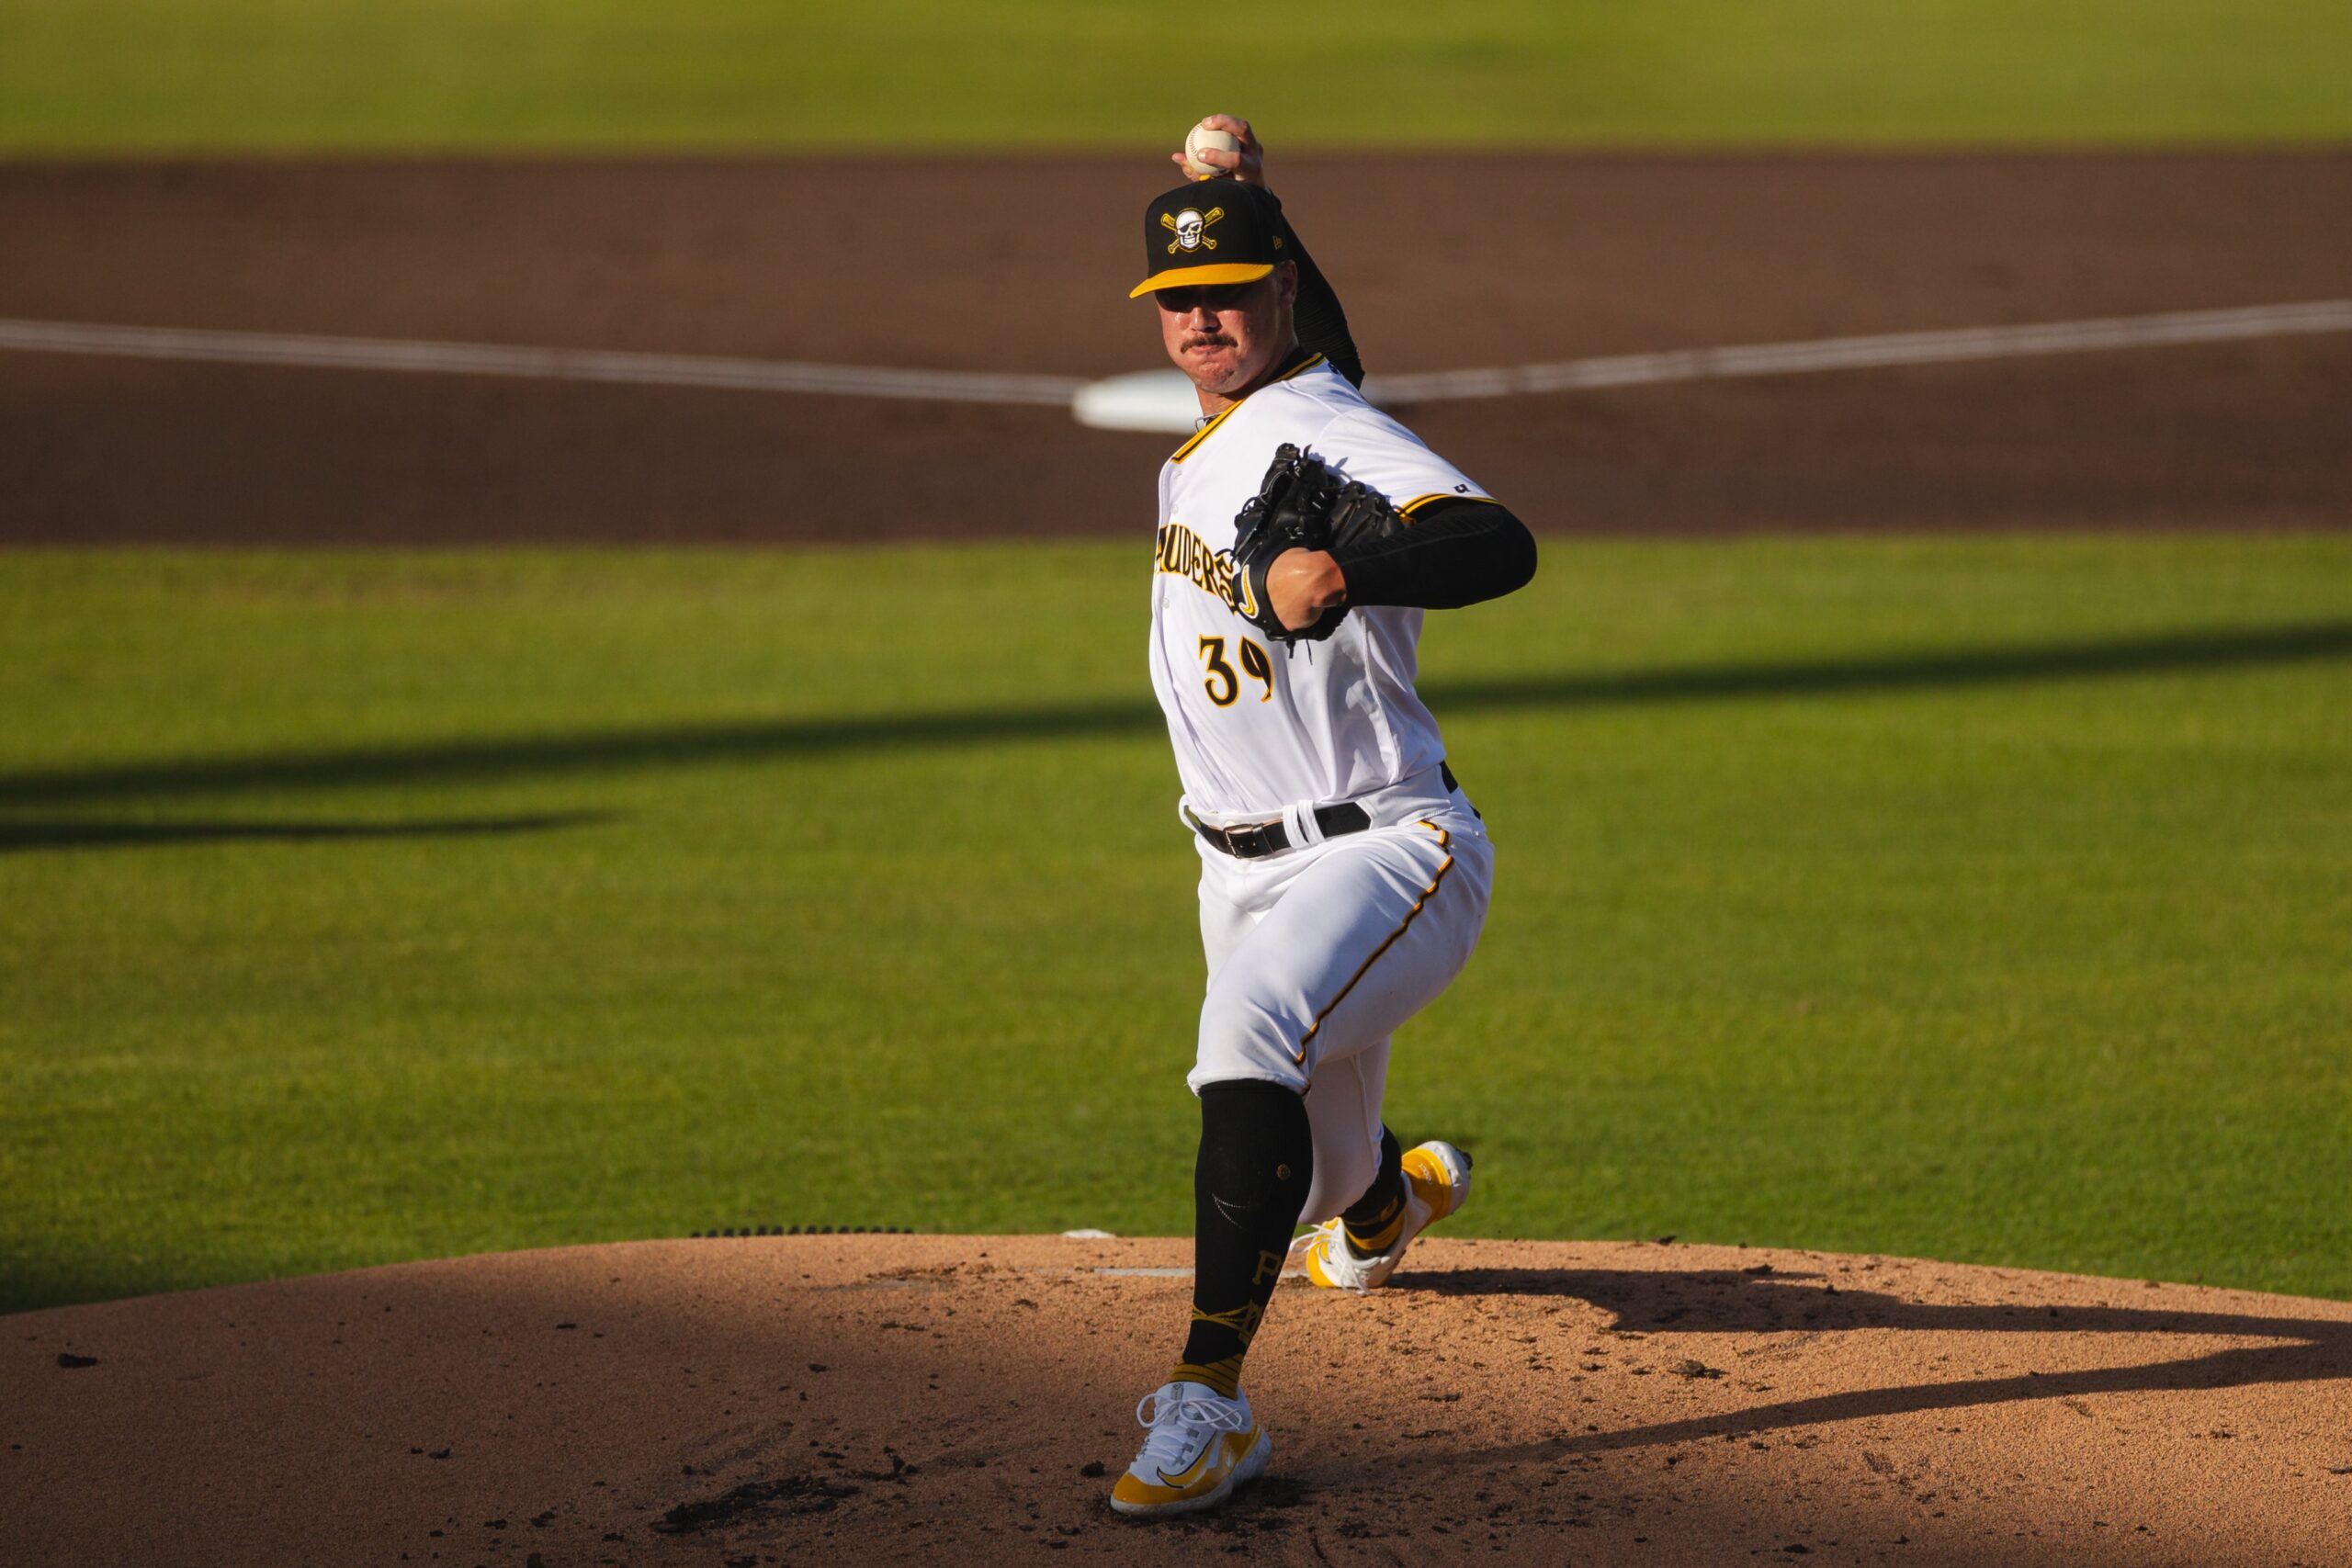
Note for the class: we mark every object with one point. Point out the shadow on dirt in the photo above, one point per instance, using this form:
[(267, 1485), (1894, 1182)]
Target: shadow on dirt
[(2162, 653), (1762, 1301)]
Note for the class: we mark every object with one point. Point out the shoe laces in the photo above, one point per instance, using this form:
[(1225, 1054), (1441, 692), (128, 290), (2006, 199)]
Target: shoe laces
[(1339, 1264), (1176, 1424)]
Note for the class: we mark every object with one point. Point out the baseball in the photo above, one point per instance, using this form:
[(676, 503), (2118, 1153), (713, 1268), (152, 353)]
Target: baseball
[(1201, 136)]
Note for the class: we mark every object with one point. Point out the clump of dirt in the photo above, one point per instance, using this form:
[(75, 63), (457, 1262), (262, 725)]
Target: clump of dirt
[(755, 1499)]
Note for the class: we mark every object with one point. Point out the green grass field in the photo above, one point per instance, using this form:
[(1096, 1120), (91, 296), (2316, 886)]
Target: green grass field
[(140, 75), (1984, 899)]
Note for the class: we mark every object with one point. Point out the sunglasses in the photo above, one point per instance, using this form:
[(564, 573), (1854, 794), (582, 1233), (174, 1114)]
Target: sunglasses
[(1183, 301)]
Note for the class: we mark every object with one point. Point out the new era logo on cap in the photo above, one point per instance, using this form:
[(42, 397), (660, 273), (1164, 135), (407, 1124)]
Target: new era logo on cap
[(1209, 232)]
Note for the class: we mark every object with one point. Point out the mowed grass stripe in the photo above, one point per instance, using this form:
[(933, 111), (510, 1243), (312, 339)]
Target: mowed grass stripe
[(119, 76), (689, 746), (1975, 898)]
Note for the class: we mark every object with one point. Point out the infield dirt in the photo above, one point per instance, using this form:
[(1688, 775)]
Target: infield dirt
[(1443, 264), (937, 1399)]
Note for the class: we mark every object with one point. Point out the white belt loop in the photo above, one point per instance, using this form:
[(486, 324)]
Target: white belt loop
[(1299, 824)]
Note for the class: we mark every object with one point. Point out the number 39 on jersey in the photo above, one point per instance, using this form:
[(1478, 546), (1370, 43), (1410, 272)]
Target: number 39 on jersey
[(1223, 685)]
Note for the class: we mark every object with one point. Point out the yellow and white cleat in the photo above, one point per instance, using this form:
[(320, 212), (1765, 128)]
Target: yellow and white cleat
[(1436, 1183), (1200, 1446)]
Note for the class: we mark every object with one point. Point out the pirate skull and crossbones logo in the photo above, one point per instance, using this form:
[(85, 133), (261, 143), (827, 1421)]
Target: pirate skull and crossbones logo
[(1191, 229)]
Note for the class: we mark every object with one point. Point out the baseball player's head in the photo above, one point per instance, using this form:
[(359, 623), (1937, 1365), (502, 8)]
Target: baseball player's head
[(1212, 253)]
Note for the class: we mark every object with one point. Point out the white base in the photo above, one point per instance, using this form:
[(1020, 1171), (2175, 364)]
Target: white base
[(1161, 401)]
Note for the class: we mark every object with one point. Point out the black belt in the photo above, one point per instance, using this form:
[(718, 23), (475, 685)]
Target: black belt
[(1265, 839), (1272, 838)]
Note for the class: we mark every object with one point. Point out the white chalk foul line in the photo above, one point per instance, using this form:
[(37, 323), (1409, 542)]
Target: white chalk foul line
[(1885, 349), (624, 369), (535, 364)]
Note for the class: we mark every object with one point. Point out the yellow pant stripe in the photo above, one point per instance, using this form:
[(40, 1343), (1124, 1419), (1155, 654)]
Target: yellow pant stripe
[(1444, 841)]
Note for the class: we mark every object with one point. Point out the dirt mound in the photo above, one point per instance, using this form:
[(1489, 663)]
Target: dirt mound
[(889, 1399)]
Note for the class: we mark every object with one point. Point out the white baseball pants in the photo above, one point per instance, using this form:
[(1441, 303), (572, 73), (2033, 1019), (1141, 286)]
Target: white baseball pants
[(1316, 955)]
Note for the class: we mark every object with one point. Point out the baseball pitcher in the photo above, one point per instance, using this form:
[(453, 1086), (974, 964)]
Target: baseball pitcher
[(1344, 874)]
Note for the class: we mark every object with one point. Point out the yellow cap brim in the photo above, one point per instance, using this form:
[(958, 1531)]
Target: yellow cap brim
[(1185, 277)]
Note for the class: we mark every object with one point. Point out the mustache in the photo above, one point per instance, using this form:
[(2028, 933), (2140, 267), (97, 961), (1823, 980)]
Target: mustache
[(1209, 340)]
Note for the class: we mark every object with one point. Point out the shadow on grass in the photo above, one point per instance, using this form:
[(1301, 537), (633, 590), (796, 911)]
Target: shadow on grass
[(1661, 1303), (36, 1283), (18, 838), (2181, 652)]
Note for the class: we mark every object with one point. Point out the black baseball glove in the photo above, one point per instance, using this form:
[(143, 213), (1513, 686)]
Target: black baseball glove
[(1300, 506)]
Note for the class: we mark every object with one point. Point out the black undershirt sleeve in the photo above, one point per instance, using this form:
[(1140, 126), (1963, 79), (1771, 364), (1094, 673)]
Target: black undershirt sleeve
[(1450, 553), (1322, 325)]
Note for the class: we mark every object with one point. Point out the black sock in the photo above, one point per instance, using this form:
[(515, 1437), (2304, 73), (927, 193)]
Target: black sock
[(1370, 1223), (1257, 1161)]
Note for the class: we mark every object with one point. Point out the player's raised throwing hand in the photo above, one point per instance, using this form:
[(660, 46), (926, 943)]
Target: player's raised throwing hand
[(1248, 164)]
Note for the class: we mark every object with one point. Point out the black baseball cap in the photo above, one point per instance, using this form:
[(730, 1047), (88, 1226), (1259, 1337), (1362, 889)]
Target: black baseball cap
[(1210, 232)]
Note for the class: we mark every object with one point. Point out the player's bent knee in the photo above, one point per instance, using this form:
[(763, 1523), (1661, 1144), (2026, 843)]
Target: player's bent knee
[(1241, 1038)]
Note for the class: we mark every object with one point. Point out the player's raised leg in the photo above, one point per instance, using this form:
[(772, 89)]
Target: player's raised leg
[(1398, 1193), (1343, 1107)]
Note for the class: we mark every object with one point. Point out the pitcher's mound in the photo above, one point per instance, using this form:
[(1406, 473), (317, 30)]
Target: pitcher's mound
[(943, 1400)]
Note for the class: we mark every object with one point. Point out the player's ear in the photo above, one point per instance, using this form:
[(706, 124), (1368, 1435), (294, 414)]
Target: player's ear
[(1286, 284)]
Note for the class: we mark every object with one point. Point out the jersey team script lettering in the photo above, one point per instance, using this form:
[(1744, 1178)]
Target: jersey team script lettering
[(1183, 554)]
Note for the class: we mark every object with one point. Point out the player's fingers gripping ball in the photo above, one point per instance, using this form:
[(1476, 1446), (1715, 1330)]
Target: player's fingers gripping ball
[(1300, 506), (1203, 136)]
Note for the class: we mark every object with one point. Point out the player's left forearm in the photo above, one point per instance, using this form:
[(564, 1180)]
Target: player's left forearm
[(1454, 553)]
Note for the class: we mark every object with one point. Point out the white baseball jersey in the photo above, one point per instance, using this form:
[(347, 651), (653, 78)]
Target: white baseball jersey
[(1258, 726)]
